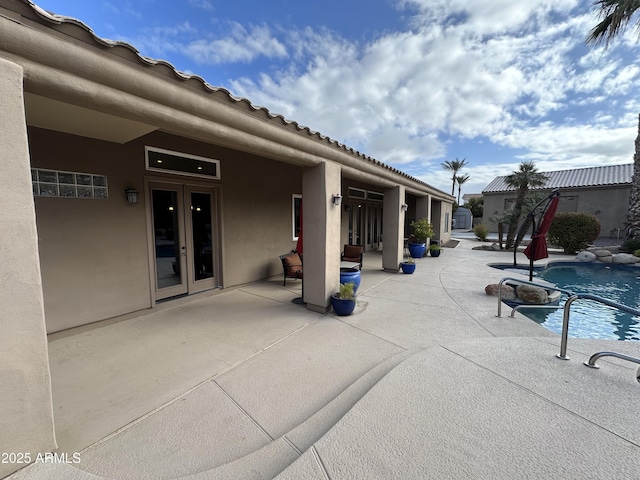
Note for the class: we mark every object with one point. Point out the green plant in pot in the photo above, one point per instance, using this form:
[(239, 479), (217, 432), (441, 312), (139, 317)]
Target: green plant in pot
[(344, 302), (434, 250), (422, 229)]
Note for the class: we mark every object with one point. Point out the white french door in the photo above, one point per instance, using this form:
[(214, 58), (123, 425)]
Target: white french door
[(184, 239)]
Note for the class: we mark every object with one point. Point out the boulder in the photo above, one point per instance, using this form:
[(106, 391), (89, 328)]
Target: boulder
[(586, 257), (602, 253), (508, 292), (495, 246), (606, 259), (625, 258), (531, 294)]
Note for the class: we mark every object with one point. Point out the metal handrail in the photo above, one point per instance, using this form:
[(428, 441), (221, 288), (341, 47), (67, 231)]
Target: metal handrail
[(525, 282), (585, 296), (565, 319), (592, 361)]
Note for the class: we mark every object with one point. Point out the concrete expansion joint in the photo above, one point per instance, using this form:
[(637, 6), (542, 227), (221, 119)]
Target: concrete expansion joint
[(243, 411), (318, 459), (293, 446)]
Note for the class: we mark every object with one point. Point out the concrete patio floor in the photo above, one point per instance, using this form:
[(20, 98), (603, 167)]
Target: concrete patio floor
[(422, 381)]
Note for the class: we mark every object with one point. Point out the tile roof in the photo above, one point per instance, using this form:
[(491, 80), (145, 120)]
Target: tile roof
[(579, 177), (61, 20)]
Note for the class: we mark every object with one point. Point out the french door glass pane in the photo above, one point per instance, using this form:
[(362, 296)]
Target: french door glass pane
[(202, 235), (167, 246)]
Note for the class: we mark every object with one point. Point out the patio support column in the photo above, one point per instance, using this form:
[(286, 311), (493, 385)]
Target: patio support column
[(26, 420), (321, 234), (393, 228)]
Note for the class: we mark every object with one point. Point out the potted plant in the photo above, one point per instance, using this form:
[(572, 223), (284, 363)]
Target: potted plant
[(344, 302), (408, 266), (422, 229), (434, 250)]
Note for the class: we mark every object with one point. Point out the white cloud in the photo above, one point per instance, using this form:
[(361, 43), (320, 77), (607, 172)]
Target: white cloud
[(202, 4), (241, 45)]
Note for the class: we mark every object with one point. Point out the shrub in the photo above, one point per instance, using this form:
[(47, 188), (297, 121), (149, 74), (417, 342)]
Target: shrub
[(481, 231), (630, 246), (636, 253), (574, 231), (422, 229)]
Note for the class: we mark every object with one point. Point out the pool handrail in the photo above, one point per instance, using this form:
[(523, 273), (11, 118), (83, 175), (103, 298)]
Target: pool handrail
[(585, 296), (592, 361)]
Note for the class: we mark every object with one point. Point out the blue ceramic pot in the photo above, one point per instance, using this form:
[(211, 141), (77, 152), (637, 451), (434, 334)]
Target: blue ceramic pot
[(350, 275), (417, 249), (342, 307), (408, 267)]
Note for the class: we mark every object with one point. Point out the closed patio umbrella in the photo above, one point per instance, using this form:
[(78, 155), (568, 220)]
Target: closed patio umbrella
[(537, 248)]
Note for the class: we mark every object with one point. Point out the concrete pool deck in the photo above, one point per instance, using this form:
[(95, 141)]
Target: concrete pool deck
[(423, 381)]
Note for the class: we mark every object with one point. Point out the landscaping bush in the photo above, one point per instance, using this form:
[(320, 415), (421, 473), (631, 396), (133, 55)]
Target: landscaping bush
[(573, 231), (636, 253), (630, 246), (481, 231)]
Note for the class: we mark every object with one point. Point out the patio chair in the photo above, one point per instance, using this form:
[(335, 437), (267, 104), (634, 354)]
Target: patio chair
[(353, 253), (291, 265)]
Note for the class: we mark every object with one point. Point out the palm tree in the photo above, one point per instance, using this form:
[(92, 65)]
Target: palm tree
[(460, 179), (616, 15), (525, 177), (454, 166)]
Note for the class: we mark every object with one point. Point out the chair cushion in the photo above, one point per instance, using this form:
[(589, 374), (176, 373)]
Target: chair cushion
[(293, 264)]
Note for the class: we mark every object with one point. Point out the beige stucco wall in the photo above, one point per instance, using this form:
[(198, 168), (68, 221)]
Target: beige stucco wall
[(608, 204), (93, 252), (97, 250), (26, 422)]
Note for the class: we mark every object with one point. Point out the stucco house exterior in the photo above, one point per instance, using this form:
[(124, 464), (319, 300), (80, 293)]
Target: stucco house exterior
[(125, 182), (601, 191)]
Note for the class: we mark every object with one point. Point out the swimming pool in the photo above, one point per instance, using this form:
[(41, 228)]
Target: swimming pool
[(617, 283)]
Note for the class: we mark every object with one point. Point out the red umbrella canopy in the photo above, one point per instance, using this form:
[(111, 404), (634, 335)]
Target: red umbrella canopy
[(537, 248), (299, 244)]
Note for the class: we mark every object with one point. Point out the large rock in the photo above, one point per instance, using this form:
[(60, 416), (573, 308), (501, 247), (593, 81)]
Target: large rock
[(508, 292), (531, 294), (625, 258), (586, 257)]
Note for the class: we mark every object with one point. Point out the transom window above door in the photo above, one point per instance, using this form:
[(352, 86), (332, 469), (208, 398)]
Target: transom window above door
[(160, 160)]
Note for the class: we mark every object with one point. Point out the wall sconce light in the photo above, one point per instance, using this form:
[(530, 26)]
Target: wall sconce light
[(132, 196), (404, 207), (337, 199)]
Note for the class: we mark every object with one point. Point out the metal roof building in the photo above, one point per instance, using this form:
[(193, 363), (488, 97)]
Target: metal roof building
[(577, 178)]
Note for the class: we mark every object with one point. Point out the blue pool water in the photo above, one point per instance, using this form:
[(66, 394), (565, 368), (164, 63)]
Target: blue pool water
[(588, 319)]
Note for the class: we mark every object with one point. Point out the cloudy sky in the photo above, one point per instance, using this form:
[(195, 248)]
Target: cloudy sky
[(411, 83)]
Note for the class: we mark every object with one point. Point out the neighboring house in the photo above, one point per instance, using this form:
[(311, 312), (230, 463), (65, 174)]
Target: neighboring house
[(125, 182), (468, 196), (601, 191)]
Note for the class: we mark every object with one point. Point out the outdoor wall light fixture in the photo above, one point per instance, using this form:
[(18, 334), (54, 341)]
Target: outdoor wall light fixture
[(132, 196), (404, 207), (337, 199)]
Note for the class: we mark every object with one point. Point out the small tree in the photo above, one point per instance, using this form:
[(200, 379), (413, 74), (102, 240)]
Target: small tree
[(526, 177), (476, 205), (573, 231)]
